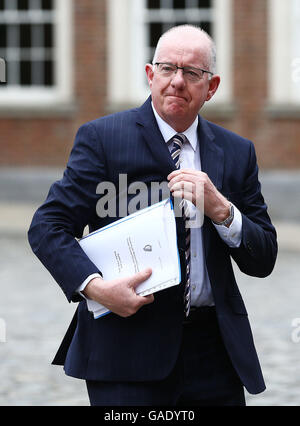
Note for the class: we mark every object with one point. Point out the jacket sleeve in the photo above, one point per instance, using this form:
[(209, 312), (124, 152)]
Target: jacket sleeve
[(69, 207), (257, 253)]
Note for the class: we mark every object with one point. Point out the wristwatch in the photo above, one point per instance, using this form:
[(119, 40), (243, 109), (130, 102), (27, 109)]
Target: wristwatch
[(227, 221)]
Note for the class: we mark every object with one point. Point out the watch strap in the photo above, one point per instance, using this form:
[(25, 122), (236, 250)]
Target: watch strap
[(229, 219)]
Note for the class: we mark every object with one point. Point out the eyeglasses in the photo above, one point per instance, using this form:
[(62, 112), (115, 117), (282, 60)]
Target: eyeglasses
[(192, 74)]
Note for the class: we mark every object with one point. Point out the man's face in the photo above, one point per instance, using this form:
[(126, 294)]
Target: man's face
[(176, 99)]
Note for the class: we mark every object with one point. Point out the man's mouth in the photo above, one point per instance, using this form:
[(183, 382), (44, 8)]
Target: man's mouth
[(176, 97)]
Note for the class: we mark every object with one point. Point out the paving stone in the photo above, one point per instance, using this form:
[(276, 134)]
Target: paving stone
[(37, 314)]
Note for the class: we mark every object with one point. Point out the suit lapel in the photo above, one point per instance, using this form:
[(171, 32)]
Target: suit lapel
[(212, 155), (153, 137), (212, 163)]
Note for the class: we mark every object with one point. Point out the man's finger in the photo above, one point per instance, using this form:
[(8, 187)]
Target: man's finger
[(148, 299), (140, 277), (182, 185), (180, 194), (193, 172)]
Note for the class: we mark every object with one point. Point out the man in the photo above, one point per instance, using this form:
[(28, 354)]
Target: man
[(190, 344)]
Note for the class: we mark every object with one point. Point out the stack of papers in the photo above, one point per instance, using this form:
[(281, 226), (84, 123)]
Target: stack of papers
[(144, 239)]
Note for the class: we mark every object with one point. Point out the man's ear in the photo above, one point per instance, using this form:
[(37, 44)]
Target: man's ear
[(149, 73), (214, 83)]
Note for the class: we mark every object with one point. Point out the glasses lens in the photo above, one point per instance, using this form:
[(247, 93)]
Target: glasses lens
[(191, 74), (167, 69)]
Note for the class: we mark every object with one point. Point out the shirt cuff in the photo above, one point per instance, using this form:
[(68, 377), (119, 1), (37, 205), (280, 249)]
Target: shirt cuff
[(232, 236), (85, 283)]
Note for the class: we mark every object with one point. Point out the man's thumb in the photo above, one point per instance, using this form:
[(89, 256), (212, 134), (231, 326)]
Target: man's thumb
[(140, 277)]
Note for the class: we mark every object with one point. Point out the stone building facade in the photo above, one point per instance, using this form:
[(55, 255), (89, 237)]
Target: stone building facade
[(70, 61)]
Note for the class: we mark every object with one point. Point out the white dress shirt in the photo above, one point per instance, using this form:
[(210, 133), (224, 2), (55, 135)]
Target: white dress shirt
[(201, 294)]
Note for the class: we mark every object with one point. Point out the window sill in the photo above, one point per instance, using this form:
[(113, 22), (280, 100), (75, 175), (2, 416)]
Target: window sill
[(283, 111), (55, 110)]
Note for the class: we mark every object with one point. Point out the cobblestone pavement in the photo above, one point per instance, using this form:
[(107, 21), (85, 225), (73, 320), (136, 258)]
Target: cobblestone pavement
[(273, 305), (36, 315)]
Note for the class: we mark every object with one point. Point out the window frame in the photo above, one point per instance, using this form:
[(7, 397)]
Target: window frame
[(44, 97), (283, 62), (127, 52)]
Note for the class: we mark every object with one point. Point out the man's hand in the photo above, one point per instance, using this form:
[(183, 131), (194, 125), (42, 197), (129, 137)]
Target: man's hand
[(193, 185), (119, 295)]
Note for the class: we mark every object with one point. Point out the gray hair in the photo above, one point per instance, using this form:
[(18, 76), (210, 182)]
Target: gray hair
[(212, 65)]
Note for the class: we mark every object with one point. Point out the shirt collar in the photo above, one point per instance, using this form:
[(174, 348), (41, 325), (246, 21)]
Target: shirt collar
[(168, 132)]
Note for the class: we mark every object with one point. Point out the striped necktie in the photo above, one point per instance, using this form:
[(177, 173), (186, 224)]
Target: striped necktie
[(178, 141)]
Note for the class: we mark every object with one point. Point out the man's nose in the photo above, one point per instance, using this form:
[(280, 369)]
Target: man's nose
[(178, 79)]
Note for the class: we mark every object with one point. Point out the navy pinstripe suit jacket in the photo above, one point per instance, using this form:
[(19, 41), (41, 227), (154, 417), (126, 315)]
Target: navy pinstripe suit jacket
[(145, 346)]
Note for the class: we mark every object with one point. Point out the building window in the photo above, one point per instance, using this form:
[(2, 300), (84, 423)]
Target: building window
[(140, 24), (284, 52), (35, 41), (163, 14)]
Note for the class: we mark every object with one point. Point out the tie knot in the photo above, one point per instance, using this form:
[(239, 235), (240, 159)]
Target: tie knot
[(179, 139)]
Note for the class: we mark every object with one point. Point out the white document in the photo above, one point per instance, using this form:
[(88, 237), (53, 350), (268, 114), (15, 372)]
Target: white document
[(144, 239)]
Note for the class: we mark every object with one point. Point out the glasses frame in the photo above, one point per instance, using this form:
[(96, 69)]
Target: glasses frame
[(185, 68)]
